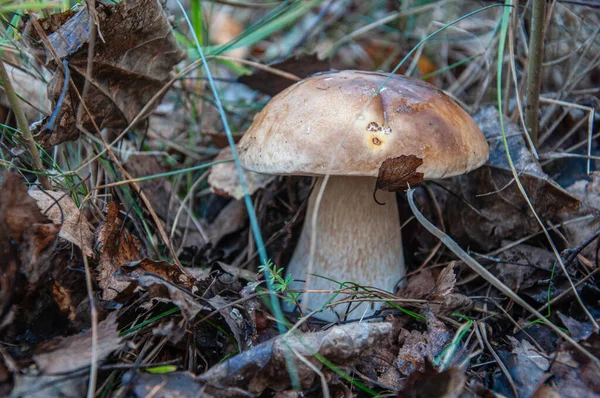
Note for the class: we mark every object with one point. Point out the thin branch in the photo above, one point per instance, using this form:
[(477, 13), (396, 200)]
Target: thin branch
[(24, 127), (534, 68)]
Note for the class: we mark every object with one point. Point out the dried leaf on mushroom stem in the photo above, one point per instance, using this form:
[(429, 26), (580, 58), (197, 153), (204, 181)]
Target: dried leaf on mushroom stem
[(397, 174)]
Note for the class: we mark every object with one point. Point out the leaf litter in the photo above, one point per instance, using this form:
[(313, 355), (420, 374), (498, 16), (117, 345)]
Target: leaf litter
[(205, 328)]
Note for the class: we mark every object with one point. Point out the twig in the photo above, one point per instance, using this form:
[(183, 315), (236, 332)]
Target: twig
[(534, 68), (24, 127)]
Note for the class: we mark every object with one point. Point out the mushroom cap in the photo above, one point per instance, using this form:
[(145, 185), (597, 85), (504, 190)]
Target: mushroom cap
[(298, 131)]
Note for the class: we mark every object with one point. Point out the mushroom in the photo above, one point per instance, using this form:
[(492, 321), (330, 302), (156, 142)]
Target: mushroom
[(357, 240)]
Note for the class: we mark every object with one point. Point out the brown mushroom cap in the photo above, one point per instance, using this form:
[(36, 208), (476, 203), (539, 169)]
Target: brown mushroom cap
[(299, 129)]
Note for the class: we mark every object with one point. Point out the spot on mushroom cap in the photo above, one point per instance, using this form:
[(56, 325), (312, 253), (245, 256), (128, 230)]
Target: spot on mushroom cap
[(299, 129)]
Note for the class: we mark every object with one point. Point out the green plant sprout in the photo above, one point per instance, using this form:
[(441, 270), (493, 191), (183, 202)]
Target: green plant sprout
[(279, 283)]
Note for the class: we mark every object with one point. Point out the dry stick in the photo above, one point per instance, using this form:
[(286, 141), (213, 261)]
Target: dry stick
[(534, 68), (488, 276), (483, 334), (24, 127), (91, 393)]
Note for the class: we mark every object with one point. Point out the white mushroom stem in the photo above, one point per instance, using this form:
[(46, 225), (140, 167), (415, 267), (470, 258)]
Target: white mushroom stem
[(357, 241)]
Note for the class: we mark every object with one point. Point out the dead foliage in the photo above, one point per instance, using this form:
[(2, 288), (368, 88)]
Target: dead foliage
[(132, 61)]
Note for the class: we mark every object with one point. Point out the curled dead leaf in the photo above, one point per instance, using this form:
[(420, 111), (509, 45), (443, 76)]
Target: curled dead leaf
[(62, 210), (132, 62), (397, 174), (117, 246)]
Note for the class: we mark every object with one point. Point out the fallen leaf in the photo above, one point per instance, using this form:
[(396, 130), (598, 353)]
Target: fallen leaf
[(419, 349), (579, 232), (17, 210), (41, 386), (57, 356), (224, 180), (32, 234), (29, 87), (233, 318), (62, 210), (524, 266), (232, 218), (487, 206), (400, 173), (17, 213), (578, 330), (164, 281), (167, 271), (264, 366), (438, 336), (413, 353), (117, 246), (175, 333), (445, 282), (62, 298), (419, 286), (131, 63), (526, 367), (447, 384)]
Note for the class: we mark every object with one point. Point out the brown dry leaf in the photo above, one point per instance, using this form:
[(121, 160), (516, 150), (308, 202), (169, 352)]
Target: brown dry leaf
[(164, 281), (32, 234), (258, 314), (502, 212), (579, 232), (419, 286), (224, 180), (130, 66), (526, 367), (117, 246), (524, 266), (445, 282), (419, 349), (232, 218), (444, 291), (17, 210), (62, 210), (301, 65), (163, 269), (447, 384), (57, 356), (62, 298), (574, 379), (264, 366), (438, 336), (413, 352), (397, 174), (31, 89)]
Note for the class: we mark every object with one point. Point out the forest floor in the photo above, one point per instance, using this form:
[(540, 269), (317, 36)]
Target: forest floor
[(135, 263)]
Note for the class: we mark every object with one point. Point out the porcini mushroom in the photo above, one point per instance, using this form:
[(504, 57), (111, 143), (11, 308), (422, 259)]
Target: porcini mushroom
[(297, 133)]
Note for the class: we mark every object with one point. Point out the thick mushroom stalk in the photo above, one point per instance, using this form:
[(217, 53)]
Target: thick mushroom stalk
[(357, 241)]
